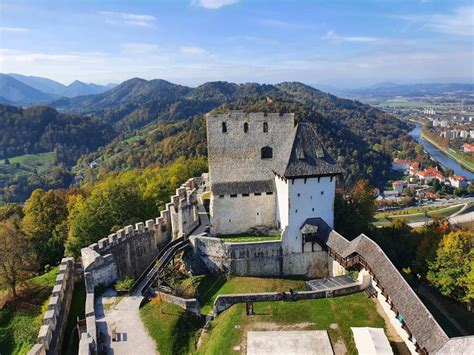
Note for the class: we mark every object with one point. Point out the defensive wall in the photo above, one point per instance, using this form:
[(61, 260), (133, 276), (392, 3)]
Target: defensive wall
[(51, 332), (257, 258), (130, 250)]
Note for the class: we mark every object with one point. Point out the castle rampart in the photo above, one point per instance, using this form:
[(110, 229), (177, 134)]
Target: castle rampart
[(131, 249), (51, 333)]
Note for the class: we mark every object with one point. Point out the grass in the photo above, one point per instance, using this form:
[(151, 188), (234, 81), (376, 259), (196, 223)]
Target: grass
[(21, 319), (336, 315), (211, 286), (71, 338), (42, 162), (173, 329), (246, 238), (412, 215)]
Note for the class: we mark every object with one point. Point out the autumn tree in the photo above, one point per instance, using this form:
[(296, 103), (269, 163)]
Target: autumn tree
[(17, 256), (44, 223), (451, 271)]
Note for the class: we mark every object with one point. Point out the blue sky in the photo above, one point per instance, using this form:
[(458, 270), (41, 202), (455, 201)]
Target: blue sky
[(342, 43)]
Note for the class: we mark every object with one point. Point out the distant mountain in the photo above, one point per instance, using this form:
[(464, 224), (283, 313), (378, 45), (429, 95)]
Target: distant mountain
[(76, 88), (21, 94), (387, 90)]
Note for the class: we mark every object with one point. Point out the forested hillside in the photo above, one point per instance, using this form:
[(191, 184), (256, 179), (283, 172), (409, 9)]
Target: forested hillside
[(140, 123)]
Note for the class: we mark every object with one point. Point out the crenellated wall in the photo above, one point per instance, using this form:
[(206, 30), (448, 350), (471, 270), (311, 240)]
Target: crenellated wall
[(51, 333), (130, 250)]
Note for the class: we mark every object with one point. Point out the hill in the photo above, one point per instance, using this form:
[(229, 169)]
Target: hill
[(19, 93), (48, 86)]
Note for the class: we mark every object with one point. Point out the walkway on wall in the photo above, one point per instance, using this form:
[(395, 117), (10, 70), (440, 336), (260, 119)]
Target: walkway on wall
[(145, 281)]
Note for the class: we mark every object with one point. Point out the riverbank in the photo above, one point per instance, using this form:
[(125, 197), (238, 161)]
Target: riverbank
[(451, 153)]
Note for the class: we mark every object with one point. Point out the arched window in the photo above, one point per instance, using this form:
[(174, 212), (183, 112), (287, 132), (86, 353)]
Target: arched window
[(265, 127), (266, 152), (246, 127), (224, 127)]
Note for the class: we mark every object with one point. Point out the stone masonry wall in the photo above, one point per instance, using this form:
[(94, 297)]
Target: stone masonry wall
[(130, 250), (257, 259), (54, 321)]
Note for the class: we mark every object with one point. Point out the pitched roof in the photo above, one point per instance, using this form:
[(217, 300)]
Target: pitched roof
[(304, 155), (243, 187), (421, 323)]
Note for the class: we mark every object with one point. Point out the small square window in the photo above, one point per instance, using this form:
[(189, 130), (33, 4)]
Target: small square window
[(312, 209), (221, 196), (269, 193), (245, 195), (257, 193), (299, 194), (322, 192), (296, 211), (233, 195)]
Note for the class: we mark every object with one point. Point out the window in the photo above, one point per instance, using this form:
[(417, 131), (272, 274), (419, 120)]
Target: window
[(312, 209), (245, 195), (269, 193), (257, 193), (296, 211), (224, 127), (265, 127), (233, 195), (322, 192), (266, 152), (221, 196), (246, 127)]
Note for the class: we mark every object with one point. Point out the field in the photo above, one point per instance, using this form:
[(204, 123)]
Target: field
[(417, 214), (41, 163), (20, 320), (176, 332)]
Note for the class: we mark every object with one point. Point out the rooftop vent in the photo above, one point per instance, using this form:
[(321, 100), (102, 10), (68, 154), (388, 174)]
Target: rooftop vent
[(299, 153)]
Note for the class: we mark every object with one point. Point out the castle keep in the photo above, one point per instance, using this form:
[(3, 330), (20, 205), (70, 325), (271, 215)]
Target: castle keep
[(267, 171)]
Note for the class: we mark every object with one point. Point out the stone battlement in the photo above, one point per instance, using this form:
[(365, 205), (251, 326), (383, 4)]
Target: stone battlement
[(54, 321), (251, 116), (131, 249)]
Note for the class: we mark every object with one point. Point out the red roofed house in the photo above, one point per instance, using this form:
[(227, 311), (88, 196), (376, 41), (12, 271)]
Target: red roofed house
[(458, 181), (401, 164), (468, 148)]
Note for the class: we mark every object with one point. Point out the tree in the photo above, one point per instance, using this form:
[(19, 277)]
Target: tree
[(354, 212), (17, 256), (45, 211), (451, 270)]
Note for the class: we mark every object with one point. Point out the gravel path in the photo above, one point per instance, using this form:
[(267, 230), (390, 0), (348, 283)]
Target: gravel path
[(124, 316)]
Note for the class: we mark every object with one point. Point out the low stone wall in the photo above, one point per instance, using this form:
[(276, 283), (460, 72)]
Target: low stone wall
[(130, 250), (223, 302), (257, 259), (88, 339), (190, 305), (51, 333)]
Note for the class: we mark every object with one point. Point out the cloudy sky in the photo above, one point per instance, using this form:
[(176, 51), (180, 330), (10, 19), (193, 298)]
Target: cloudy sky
[(342, 43)]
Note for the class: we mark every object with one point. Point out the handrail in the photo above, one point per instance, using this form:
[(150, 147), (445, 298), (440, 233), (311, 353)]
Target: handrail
[(153, 263)]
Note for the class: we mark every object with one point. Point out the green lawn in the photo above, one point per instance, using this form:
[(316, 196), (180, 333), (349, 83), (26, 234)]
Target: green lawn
[(177, 332), (20, 320), (336, 315), (246, 238), (173, 329), (417, 214), (211, 286), (71, 339)]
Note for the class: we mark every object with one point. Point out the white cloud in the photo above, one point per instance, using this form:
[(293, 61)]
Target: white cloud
[(194, 51), (13, 29), (126, 18), (213, 4), (139, 48), (460, 22), (333, 37)]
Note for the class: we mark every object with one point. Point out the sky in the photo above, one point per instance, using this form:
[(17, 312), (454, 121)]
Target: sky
[(341, 43)]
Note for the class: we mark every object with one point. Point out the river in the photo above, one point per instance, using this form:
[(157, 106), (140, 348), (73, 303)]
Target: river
[(443, 159)]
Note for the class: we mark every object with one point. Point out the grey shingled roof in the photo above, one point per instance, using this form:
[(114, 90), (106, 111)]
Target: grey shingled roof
[(421, 323), (304, 155), (243, 187)]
